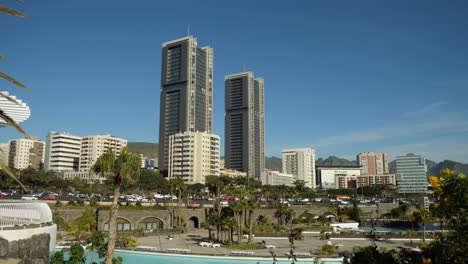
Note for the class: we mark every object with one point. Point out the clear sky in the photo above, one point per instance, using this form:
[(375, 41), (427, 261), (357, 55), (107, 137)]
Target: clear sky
[(340, 76)]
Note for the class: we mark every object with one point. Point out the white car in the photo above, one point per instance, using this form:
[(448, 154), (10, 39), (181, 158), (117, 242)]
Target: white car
[(28, 197), (223, 202)]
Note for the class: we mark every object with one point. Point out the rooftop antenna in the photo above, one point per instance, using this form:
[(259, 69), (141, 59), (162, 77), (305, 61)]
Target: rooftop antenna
[(188, 30), (244, 67)]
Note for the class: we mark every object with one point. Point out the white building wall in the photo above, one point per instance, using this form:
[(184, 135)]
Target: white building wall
[(62, 152), (328, 175), (19, 157), (268, 177), (300, 162)]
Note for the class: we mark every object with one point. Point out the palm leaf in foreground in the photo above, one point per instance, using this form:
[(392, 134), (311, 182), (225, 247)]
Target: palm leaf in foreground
[(9, 98), (11, 122), (10, 11), (12, 80)]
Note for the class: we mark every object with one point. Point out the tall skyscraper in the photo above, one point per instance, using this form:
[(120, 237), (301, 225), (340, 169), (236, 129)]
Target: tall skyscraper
[(186, 91), (193, 156), (411, 174), (244, 124), (93, 146), (373, 163), (300, 162), (62, 152), (25, 153)]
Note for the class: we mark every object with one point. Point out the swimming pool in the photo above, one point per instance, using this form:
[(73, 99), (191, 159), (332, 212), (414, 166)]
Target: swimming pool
[(137, 257)]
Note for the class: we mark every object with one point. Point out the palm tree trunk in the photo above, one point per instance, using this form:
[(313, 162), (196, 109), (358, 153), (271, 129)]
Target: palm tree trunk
[(179, 220), (250, 225), (112, 235), (173, 211), (241, 227), (424, 232)]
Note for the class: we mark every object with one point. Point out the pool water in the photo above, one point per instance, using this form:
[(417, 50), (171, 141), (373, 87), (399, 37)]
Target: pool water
[(133, 257)]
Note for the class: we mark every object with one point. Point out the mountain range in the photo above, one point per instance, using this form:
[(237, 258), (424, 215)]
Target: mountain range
[(150, 150)]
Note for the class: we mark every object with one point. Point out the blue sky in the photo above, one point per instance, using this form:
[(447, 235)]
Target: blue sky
[(340, 76)]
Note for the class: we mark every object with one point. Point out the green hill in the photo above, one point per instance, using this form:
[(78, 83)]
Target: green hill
[(149, 150), (273, 163)]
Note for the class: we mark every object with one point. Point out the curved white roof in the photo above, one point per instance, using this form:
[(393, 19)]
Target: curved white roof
[(18, 112)]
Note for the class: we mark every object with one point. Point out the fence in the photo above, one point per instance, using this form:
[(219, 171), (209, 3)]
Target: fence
[(19, 214)]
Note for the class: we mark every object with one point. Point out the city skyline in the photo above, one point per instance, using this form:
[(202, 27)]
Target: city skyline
[(403, 67)]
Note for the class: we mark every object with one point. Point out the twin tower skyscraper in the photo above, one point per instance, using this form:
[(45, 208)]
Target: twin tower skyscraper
[(187, 105)]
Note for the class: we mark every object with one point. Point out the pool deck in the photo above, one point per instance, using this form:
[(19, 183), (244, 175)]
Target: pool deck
[(189, 242)]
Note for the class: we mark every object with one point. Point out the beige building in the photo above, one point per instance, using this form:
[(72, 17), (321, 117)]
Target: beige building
[(88, 176), (300, 162), (268, 177), (193, 156), (26, 152), (355, 181), (93, 146), (373, 163), (4, 149)]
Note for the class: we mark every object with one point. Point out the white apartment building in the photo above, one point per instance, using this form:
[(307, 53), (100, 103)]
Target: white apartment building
[(62, 152), (300, 162), (25, 153), (88, 176), (268, 177), (4, 149), (193, 156), (93, 146)]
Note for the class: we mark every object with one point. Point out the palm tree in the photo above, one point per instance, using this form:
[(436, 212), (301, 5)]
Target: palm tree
[(3, 116), (238, 209), (124, 168), (216, 185), (177, 186), (422, 216), (251, 206)]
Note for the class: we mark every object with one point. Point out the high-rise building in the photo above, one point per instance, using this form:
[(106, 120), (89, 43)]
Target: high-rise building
[(373, 163), (186, 91), (26, 152), (300, 162), (62, 152), (411, 174), (244, 124), (93, 146), (193, 156)]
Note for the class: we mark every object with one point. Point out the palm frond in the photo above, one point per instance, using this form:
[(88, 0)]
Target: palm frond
[(4, 9), (9, 98), (11, 122), (11, 79), (8, 171)]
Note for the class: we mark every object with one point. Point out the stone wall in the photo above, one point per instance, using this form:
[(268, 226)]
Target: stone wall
[(33, 250)]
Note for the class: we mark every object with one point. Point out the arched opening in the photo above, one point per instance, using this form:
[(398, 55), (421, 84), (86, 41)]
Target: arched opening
[(151, 223), (122, 224), (193, 222)]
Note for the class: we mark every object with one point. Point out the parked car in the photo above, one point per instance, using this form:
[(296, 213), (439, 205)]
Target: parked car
[(2, 194), (28, 197), (49, 196)]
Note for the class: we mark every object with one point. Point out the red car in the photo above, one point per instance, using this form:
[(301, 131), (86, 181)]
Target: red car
[(49, 197)]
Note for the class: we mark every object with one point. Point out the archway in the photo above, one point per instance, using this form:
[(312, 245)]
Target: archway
[(151, 223), (122, 224), (193, 222)]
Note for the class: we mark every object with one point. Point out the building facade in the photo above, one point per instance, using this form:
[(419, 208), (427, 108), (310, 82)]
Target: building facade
[(328, 175), (268, 177), (411, 174), (244, 124), (186, 91), (373, 163), (88, 176), (26, 153), (62, 152), (354, 181), (300, 162), (4, 150), (93, 146), (193, 156)]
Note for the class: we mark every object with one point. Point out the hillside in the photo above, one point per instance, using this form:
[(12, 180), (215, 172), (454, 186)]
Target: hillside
[(273, 163), (149, 150), (453, 165), (334, 161), (430, 165)]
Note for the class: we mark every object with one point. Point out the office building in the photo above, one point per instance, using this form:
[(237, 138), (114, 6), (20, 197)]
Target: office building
[(268, 177), (244, 124), (18, 111), (62, 152), (373, 163), (411, 174), (93, 146), (193, 156), (355, 181), (186, 91), (328, 175), (26, 153), (300, 162)]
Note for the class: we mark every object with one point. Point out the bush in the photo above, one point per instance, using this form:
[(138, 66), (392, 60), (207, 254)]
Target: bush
[(94, 201)]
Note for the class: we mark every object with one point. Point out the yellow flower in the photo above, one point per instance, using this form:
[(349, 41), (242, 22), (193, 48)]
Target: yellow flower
[(426, 260), (435, 182), (447, 171), (461, 175)]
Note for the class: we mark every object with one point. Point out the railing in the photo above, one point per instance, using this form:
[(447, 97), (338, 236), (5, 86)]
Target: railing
[(19, 214)]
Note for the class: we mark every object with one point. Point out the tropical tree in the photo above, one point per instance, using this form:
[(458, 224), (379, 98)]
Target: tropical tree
[(3, 116), (124, 168), (177, 185), (251, 206), (238, 209), (422, 216), (215, 185), (95, 242)]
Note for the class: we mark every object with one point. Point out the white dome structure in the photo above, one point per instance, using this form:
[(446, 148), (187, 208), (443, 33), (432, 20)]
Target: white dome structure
[(18, 112)]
